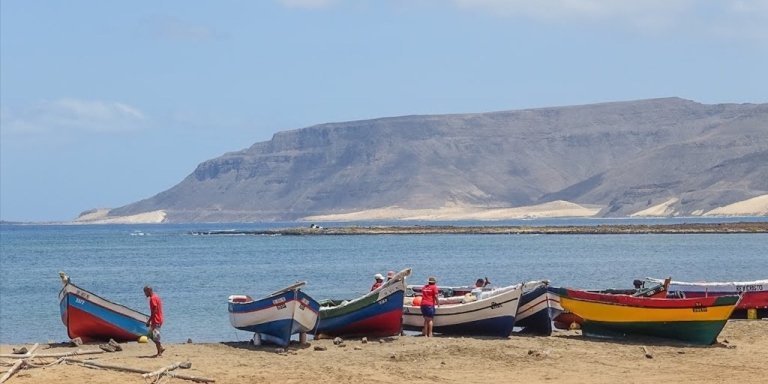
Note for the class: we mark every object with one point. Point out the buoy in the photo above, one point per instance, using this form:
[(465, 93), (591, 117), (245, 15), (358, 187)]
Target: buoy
[(142, 339), (417, 301), (752, 313)]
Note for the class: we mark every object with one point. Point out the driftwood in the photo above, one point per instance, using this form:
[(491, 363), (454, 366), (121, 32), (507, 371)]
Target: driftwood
[(647, 352), (185, 365), (20, 364), (61, 354), (91, 364)]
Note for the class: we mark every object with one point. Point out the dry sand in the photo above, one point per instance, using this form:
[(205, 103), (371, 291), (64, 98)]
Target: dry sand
[(566, 357)]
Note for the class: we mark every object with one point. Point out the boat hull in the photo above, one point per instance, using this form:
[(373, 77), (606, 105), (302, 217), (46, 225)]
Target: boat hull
[(754, 294), (376, 314), (697, 321), (93, 318), (537, 309), (278, 316), (491, 316)]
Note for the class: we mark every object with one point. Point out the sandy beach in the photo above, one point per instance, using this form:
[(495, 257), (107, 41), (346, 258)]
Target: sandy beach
[(565, 357)]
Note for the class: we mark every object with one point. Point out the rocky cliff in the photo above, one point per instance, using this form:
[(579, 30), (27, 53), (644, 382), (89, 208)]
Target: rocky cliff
[(622, 157)]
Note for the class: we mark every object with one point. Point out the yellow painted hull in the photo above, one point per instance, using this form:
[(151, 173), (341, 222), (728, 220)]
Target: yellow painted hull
[(615, 313)]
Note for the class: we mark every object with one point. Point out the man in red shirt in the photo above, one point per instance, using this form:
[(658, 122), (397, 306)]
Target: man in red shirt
[(428, 304), (155, 318)]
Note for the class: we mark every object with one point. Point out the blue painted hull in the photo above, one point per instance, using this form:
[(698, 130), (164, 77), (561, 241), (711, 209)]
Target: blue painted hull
[(279, 316), (539, 321)]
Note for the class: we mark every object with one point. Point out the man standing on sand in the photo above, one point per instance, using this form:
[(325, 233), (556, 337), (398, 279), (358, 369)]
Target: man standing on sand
[(155, 318), (429, 301)]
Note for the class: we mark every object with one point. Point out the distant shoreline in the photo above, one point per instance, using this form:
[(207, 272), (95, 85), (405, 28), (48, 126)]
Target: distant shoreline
[(610, 229)]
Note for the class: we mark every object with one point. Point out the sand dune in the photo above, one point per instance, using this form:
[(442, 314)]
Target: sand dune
[(756, 206), (463, 212), (99, 216)]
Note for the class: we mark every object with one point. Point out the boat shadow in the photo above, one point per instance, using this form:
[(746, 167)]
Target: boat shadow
[(640, 341), (271, 348)]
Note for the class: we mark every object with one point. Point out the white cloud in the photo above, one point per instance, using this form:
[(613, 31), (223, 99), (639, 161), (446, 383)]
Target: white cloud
[(69, 115), (310, 4), (726, 18)]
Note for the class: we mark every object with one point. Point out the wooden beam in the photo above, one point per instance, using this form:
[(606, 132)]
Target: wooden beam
[(61, 354), (92, 364), (171, 367)]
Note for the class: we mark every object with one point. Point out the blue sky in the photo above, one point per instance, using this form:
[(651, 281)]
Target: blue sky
[(104, 103)]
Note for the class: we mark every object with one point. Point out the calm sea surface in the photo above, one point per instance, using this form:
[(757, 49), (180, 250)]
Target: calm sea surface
[(195, 274)]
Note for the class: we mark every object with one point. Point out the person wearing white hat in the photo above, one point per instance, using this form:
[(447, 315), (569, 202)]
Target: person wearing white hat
[(379, 281)]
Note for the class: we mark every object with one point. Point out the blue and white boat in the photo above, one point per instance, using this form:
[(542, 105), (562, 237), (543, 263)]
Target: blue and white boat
[(538, 307), (276, 317), (492, 314)]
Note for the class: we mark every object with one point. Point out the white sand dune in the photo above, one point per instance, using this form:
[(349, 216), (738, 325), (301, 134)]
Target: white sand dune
[(99, 216), (664, 209), (464, 212), (756, 206)]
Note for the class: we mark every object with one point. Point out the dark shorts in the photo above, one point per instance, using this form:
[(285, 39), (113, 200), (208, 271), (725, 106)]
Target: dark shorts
[(428, 311)]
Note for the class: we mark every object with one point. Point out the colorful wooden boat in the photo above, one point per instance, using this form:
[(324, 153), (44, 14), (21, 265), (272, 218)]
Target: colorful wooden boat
[(754, 294), (694, 320), (94, 318), (535, 312), (376, 314), (491, 315), (538, 307), (276, 317)]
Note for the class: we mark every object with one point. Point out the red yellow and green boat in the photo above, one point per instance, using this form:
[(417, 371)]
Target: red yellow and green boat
[(696, 320)]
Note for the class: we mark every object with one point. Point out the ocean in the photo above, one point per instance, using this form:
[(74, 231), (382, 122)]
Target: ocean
[(195, 274)]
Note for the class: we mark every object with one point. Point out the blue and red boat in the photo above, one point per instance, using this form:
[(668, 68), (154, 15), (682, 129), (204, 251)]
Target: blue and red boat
[(376, 314), (94, 318)]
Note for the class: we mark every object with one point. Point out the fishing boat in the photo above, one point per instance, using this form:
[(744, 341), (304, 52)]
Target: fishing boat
[(378, 313), (493, 314), (538, 307), (276, 317), (754, 294), (692, 320), (94, 318), (565, 319)]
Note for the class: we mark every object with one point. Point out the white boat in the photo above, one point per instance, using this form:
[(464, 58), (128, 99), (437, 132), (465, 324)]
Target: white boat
[(493, 314)]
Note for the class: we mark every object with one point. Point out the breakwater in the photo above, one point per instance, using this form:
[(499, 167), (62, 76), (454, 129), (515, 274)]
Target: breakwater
[(684, 228)]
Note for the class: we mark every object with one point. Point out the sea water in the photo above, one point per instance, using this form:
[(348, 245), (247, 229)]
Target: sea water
[(194, 274)]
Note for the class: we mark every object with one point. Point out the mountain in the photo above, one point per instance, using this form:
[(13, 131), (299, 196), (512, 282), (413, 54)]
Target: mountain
[(676, 156)]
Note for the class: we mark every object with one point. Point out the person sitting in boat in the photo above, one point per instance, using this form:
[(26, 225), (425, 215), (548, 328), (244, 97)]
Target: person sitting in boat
[(480, 284), (379, 281)]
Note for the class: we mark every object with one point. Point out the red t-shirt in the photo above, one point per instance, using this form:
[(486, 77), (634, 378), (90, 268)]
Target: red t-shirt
[(376, 285), (155, 310), (429, 295)]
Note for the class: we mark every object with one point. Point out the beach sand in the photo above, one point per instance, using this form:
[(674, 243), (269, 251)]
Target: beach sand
[(566, 357)]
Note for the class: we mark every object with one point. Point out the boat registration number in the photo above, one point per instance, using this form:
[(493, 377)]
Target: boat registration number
[(749, 288)]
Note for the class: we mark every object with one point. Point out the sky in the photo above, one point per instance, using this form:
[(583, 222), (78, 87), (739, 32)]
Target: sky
[(104, 103)]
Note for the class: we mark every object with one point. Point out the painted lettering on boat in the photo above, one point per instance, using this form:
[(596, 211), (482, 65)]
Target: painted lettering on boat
[(83, 294), (495, 305), (79, 300), (699, 308), (749, 288), (279, 303), (384, 301)]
